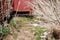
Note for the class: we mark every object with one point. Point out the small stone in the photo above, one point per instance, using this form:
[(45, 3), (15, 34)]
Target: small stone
[(35, 24)]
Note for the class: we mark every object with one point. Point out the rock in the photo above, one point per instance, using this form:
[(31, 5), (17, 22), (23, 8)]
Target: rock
[(35, 24), (56, 33)]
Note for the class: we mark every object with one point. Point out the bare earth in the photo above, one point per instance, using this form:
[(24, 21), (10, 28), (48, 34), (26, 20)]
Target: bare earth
[(24, 34)]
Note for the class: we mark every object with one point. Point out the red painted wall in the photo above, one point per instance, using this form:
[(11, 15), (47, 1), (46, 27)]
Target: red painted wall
[(22, 6)]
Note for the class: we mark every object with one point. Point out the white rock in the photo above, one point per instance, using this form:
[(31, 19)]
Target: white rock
[(35, 24), (45, 33), (43, 36), (35, 20)]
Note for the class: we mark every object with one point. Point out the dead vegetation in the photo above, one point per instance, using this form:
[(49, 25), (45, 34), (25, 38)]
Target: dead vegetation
[(48, 14), (48, 11)]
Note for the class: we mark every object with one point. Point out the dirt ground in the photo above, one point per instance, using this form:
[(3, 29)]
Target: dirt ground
[(25, 33)]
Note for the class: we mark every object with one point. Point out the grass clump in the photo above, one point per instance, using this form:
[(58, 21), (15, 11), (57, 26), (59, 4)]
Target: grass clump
[(5, 30), (21, 21), (39, 32)]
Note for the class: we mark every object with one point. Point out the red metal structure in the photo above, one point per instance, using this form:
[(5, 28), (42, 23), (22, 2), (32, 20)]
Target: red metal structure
[(22, 5), (14, 6)]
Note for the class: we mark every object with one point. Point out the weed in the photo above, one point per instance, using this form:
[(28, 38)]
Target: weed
[(39, 32), (5, 30)]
